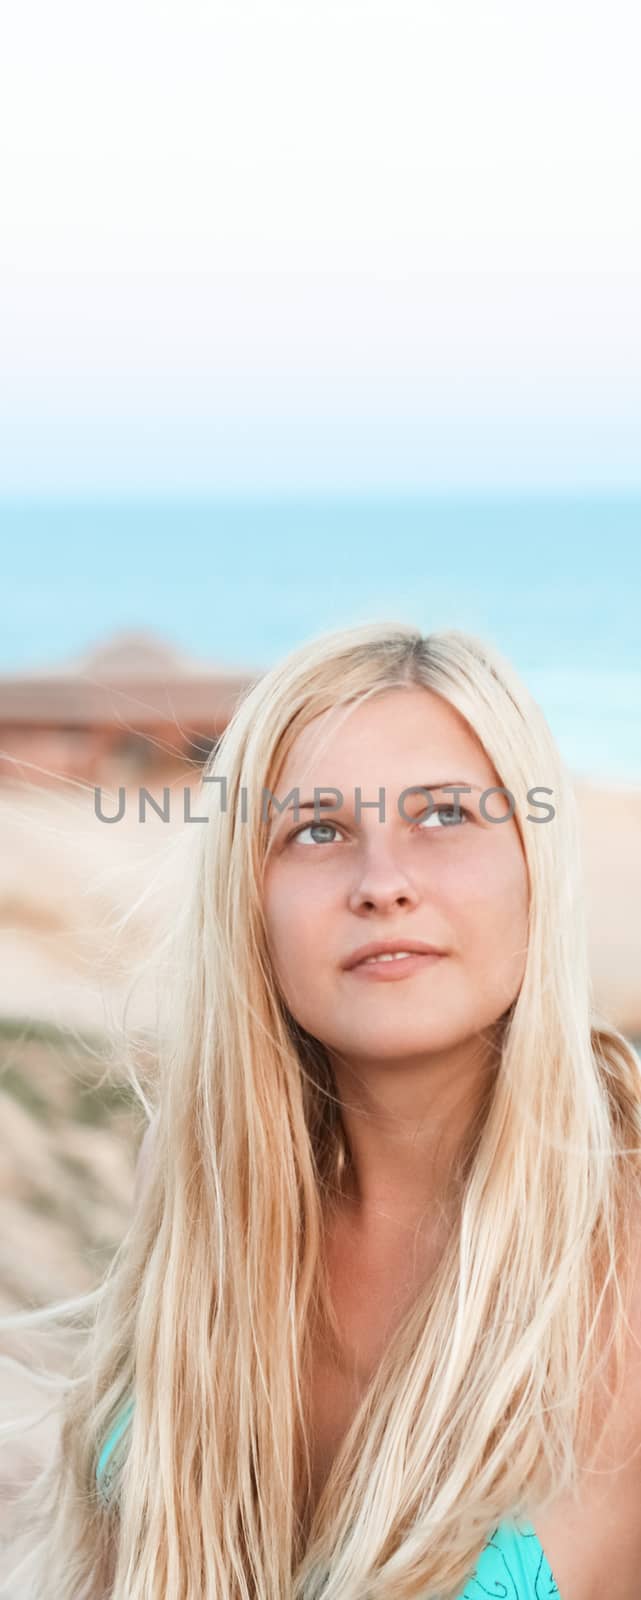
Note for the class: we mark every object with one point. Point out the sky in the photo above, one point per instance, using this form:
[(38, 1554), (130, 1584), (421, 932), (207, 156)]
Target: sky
[(312, 313), (352, 247)]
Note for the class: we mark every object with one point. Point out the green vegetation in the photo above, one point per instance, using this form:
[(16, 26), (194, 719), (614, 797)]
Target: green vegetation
[(69, 1134)]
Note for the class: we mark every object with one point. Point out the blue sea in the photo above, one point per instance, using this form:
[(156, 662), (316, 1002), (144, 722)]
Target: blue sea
[(554, 581)]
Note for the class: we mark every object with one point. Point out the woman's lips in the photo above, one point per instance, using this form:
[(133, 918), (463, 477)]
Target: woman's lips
[(392, 971)]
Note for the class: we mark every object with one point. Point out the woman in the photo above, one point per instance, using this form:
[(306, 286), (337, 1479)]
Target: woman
[(373, 1332)]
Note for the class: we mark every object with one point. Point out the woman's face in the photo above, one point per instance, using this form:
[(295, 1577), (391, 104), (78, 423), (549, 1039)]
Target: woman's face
[(332, 886)]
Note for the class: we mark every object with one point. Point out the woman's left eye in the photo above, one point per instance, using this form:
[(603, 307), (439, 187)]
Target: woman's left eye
[(458, 814)]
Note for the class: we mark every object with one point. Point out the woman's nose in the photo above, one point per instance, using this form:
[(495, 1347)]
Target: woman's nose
[(382, 883)]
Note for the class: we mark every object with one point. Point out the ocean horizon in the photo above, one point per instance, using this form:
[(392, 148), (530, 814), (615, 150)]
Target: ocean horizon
[(554, 580)]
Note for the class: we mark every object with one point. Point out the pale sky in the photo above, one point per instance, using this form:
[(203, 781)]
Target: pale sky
[(344, 245)]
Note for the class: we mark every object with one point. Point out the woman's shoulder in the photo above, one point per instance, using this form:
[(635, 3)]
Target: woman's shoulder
[(594, 1538)]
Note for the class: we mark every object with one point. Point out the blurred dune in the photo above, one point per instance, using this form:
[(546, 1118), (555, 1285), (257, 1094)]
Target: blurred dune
[(611, 843)]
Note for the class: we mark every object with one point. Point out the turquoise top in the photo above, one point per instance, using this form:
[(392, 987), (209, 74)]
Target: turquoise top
[(511, 1566), (104, 1472)]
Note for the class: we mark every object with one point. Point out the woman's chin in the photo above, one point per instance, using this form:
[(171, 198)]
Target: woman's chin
[(376, 1044)]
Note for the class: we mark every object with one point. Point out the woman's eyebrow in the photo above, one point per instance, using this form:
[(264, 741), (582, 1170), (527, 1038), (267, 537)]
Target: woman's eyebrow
[(444, 783)]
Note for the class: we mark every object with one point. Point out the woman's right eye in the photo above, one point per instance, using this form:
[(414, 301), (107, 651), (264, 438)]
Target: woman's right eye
[(316, 827)]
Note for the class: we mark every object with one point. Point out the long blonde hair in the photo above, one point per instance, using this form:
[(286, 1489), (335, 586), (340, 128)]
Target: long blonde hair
[(205, 1313)]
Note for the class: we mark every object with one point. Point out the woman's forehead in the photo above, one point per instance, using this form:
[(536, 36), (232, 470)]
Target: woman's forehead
[(387, 731)]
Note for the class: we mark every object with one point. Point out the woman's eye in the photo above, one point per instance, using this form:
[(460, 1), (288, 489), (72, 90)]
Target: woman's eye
[(439, 818), (456, 816), (317, 827)]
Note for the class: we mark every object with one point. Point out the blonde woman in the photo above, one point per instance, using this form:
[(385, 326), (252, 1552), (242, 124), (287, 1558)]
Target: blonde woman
[(374, 1332)]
